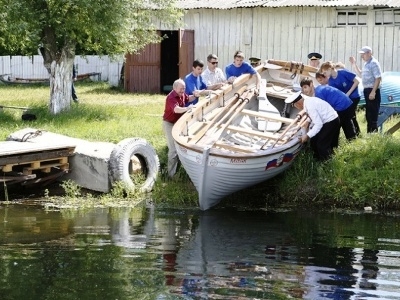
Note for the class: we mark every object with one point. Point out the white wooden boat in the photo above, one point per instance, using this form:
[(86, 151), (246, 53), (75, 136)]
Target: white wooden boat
[(234, 139)]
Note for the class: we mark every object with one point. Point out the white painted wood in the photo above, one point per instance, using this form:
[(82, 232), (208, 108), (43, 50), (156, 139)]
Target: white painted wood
[(290, 33), (32, 67)]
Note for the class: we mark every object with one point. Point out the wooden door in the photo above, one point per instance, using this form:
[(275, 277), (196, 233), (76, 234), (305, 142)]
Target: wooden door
[(186, 52), (142, 70)]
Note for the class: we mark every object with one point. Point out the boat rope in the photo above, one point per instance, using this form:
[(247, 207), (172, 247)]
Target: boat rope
[(31, 135)]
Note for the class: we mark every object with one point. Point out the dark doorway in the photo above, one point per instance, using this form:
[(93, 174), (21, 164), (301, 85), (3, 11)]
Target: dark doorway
[(169, 60), (157, 66)]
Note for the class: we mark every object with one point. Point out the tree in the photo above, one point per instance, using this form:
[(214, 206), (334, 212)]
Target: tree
[(56, 27)]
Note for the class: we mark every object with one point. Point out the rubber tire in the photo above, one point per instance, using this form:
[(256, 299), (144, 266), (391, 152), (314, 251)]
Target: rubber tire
[(120, 162)]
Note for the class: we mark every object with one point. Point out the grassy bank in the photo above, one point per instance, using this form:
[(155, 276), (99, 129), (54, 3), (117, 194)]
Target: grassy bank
[(362, 173)]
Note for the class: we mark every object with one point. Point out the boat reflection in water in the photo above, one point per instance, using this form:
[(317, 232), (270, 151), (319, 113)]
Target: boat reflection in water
[(149, 253), (230, 255)]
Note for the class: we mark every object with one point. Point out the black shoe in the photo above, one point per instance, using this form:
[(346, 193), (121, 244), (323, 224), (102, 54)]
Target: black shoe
[(76, 100)]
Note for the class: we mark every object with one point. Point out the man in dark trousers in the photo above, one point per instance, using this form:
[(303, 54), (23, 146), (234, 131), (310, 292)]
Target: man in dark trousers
[(74, 78), (323, 131), (337, 99), (371, 75)]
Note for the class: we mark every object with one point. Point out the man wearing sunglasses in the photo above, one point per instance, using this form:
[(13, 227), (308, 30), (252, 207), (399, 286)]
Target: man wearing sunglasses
[(213, 76)]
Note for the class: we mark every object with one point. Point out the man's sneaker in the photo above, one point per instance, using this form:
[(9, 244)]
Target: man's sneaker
[(76, 100)]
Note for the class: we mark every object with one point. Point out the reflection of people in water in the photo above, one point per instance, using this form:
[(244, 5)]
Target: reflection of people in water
[(370, 269), (331, 273)]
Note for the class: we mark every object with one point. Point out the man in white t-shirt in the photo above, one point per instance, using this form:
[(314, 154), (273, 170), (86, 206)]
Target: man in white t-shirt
[(213, 76)]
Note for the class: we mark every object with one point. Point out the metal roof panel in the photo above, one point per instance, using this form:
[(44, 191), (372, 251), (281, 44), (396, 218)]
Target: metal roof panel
[(229, 4)]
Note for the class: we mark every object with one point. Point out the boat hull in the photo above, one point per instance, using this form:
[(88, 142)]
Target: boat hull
[(390, 89), (216, 176)]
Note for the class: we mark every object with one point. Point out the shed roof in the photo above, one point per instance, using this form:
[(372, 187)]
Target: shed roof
[(229, 4)]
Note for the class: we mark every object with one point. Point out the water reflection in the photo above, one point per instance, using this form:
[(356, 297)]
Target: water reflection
[(148, 253)]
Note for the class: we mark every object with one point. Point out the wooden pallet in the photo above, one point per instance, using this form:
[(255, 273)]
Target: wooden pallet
[(23, 162), (42, 165)]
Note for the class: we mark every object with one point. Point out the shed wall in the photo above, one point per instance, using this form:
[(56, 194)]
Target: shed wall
[(289, 33)]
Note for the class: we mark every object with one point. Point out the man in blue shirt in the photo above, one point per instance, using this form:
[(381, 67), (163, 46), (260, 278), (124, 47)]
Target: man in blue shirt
[(239, 67), (340, 102), (195, 85)]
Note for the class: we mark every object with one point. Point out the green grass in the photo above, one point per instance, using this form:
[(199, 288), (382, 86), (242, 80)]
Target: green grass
[(362, 173), (104, 114)]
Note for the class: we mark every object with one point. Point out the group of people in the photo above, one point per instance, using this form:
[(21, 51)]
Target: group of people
[(186, 92), (339, 90)]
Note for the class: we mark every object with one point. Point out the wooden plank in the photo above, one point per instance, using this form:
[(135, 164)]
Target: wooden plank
[(265, 135), (17, 178), (7, 168), (393, 129), (267, 116), (13, 147), (45, 168), (37, 156)]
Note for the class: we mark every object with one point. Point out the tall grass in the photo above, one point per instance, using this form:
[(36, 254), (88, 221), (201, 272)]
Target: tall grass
[(361, 173)]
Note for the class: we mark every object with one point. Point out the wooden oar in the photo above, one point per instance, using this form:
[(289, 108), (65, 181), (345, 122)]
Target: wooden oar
[(243, 101), (294, 122), (231, 102), (303, 120), (286, 64), (14, 107), (232, 109)]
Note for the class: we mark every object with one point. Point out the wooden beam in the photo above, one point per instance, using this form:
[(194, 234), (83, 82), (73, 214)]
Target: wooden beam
[(267, 116), (265, 135), (393, 129)]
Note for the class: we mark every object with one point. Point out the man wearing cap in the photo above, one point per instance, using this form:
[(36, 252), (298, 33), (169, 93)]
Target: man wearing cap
[(371, 76), (314, 59), (324, 127), (255, 61)]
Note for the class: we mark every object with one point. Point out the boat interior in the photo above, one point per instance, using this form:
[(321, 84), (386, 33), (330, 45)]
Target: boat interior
[(238, 119)]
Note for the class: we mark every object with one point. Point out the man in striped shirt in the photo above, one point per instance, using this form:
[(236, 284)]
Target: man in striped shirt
[(371, 76)]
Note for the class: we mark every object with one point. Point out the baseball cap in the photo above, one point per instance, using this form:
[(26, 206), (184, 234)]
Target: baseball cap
[(365, 49)]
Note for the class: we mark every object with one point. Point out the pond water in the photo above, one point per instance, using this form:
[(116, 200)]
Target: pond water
[(150, 253)]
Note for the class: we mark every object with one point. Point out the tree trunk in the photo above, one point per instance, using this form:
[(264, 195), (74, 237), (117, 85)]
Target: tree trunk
[(61, 85)]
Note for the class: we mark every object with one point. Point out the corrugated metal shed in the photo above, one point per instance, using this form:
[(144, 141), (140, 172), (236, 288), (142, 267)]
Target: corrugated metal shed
[(229, 4)]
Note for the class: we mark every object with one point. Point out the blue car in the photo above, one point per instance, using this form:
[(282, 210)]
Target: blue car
[(390, 89)]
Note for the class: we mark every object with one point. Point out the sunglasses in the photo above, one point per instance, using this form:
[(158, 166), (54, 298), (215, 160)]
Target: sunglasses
[(213, 62)]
